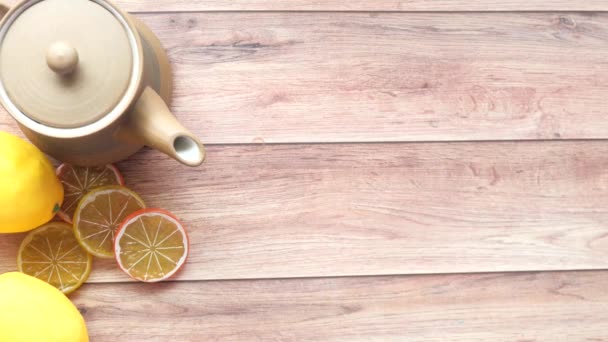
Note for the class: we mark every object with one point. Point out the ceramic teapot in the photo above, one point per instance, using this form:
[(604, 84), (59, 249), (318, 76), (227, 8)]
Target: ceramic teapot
[(89, 84)]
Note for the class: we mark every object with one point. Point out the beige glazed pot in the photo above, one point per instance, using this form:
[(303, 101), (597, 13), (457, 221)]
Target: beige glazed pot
[(89, 84)]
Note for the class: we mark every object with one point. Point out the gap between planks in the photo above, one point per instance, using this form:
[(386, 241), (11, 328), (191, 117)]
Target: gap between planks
[(388, 143), (345, 277)]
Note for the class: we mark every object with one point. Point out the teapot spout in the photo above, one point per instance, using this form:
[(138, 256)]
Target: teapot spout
[(152, 122)]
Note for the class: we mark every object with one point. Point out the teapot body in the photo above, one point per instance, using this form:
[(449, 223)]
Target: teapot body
[(97, 149), (141, 118), (114, 142)]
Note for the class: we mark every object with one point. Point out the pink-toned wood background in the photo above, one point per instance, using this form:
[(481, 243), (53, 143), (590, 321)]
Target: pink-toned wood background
[(378, 171)]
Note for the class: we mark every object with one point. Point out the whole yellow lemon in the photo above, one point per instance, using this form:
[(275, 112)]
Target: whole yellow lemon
[(32, 310), (30, 192)]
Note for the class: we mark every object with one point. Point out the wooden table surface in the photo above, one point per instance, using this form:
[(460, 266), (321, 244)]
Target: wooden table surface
[(378, 170)]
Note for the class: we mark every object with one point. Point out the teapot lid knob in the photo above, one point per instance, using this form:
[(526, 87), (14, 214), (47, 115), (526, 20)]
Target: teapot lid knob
[(62, 58)]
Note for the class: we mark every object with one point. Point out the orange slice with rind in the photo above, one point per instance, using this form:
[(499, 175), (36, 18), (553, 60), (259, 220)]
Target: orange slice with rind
[(52, 253), (78, 181), (151, 245), (98, 216)]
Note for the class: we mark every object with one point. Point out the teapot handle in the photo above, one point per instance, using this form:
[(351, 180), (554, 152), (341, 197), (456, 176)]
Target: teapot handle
[(3, 10), (152, 123)]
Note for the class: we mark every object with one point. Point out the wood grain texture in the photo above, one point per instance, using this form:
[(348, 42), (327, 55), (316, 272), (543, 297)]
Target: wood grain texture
[(358, 5), (366, 5), (358, 77), (335, 77), (503, 307), (371, 209), (259, 210)]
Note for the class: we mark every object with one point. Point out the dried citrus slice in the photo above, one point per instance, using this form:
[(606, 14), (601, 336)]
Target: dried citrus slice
[(52, 253), (151, 245), (99, 214), (78, 181)]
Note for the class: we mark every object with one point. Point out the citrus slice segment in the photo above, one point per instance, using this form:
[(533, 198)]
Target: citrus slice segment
[(52, 253), (78, 181), (151, 245), (99, 214)]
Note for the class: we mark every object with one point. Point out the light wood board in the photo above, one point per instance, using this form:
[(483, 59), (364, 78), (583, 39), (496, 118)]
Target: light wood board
[(358, 5), (369, 209), (567, 307), (277, 78)]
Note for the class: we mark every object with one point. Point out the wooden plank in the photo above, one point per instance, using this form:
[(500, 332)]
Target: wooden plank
[(280, 211), (359, 77), (505, 307), (359, 5), (334, 77), (366, 5)]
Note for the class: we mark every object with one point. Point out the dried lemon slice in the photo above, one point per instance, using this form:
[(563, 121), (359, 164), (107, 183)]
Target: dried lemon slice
[(78, 181), (99, 214), (52, 253), (151, 245)]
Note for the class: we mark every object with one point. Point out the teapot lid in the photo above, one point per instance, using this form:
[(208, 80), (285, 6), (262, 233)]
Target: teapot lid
[(67, 64)]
